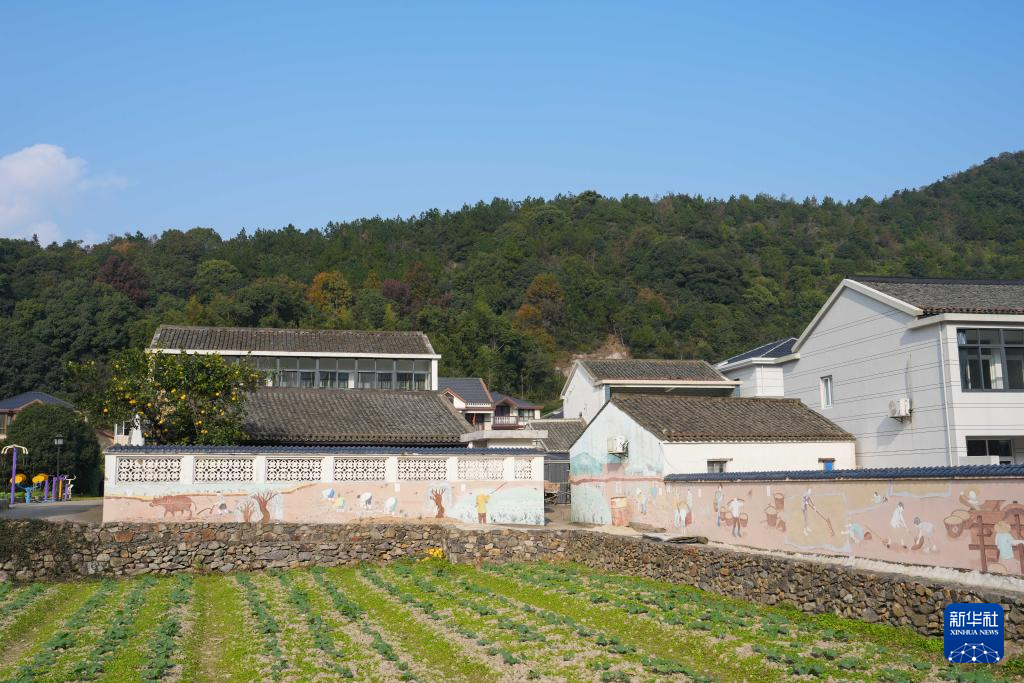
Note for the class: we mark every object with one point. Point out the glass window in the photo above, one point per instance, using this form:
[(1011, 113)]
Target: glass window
[(288, 378), (383, 380), (991, 359), (826, 392), (419, 381), (404, 380), (307, 363), (327, 363), (716, 465), (288, 363), (328, 379), (827, 465), (1001, 448), (307, 380), (343, 380), (364, 380), (3, 423)]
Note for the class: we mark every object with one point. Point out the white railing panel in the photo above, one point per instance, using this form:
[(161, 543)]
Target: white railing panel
[(223, 469), (149, 469)]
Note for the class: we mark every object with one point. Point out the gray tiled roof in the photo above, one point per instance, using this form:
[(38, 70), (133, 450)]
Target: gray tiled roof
[(640, 369), (19, 401), (277, 339), (472, 389), (708, 418), (561, 433), (351, 417), (774, 349), (940, 295), (519, 402)]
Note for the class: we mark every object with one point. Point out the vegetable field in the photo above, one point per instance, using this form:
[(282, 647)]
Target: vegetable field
[(433, 621)]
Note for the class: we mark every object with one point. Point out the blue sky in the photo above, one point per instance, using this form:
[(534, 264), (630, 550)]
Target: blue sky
[(145, 116)]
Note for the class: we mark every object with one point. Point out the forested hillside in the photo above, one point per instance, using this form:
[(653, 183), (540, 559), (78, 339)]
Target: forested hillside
[(506, 290)]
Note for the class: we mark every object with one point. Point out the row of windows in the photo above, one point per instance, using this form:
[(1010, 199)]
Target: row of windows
[(341, 373), (991, 359)]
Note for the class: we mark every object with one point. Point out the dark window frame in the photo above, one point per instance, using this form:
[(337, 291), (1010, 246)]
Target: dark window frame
[(972, 347)]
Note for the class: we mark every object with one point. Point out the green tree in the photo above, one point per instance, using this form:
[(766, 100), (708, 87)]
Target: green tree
[(35, 428), (180, 398)]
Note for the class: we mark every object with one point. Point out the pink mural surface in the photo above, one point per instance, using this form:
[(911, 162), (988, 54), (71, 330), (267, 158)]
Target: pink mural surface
[(962, 523), (484, 502)]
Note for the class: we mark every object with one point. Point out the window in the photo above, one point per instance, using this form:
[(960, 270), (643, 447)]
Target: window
[(421, 374), (827, 464), (268, 366), (826, 391), (991, 359), (405, 380), (716, 465), (383, 380), (736, 392), (5, 420), (364, 380), (1001, 448)]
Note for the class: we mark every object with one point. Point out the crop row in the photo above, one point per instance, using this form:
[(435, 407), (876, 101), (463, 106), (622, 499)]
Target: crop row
[(554, 645), (66, 637), (805, 646)]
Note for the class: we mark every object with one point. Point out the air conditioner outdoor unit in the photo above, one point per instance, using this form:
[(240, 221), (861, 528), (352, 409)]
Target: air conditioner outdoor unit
[(900, 408), (617, 445)]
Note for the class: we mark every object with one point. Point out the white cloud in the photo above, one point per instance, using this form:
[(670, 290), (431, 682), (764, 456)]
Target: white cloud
[(36, 183)]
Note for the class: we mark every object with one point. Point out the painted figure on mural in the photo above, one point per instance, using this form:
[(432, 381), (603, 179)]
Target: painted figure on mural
[(878, 498), (641, 501), (735, 509), (481, 507), (855, 532), (682, 513), (1004, 540), (971, 500), (805, 505), (897, 525), (719, 496), (925, 539)]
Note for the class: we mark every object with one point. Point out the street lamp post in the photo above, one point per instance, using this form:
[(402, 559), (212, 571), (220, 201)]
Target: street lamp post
[(58, 441)]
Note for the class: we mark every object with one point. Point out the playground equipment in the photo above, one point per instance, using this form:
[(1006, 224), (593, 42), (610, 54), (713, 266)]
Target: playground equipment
[(13, 448)]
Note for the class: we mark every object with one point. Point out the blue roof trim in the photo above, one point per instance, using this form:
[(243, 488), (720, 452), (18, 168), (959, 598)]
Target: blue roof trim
[(325, 450), (958, 472), (774, 349)]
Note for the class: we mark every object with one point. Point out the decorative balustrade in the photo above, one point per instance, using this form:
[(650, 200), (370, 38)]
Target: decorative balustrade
[(149, 469), (244, 468), (422, 469), (481, 469), (223, 469)]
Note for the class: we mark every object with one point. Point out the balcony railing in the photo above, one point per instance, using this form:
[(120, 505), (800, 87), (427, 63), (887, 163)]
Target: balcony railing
[(508, 422)]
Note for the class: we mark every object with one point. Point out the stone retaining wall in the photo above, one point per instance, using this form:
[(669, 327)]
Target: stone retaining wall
[(32, 550)]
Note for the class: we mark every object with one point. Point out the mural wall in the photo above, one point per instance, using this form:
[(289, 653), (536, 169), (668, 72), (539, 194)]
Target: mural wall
[(963, 523), (484, 502)]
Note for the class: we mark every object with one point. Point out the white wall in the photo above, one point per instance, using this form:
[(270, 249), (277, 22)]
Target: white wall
[(582, 398), (758, 380), (685, 458), (645, 450), (873, 358), (978, 414)]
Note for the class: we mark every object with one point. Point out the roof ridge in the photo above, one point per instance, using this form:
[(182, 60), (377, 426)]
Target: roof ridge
[(933, 280), (172, 326)]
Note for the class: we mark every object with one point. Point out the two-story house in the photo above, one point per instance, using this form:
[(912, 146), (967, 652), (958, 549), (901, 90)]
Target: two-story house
[(315, 359), (592, 383), (922, 371)]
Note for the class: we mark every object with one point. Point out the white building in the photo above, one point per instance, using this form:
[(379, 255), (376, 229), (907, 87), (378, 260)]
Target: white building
[(636, 441), (923, 372), (315, 359), (592, 383)]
